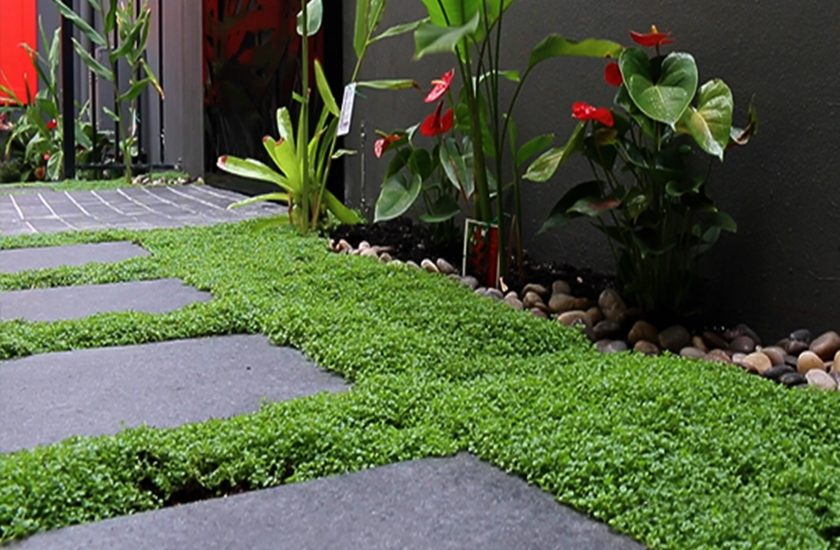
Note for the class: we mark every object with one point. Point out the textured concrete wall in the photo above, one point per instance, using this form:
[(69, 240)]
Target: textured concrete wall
[(783, 267)]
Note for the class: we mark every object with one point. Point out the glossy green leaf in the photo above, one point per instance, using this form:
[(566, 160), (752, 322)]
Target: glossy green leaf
[(666, 98), (91, 63), (456, 169), (339, 210), (314, 16), (324, 90), (399, 30), (284, 156), (285, 128), (252, 169), (710, 123), (420, 163), (557, 46), (443, 209), (564, 211), (360, 28), (283, 197), (397, 196), (547, 164), (430, 38), (532, 147), (396, 84)]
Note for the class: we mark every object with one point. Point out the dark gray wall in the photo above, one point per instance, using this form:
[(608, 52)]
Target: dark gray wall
[(782, 269)]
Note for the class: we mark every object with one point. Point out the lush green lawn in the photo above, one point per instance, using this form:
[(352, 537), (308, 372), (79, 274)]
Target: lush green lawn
[(677, 454)]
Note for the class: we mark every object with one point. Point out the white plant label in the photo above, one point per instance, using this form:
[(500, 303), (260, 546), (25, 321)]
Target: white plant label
[(347, 103)]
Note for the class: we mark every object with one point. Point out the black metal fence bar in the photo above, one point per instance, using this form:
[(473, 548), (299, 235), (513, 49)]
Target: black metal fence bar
[(67, 94)]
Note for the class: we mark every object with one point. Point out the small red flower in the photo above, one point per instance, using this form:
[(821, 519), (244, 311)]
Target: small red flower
[(652, 39), (612, 75), (382, 144), (46, 157), (440, 86), (5, 125), (52, 125), (585, 111), (435, 124)]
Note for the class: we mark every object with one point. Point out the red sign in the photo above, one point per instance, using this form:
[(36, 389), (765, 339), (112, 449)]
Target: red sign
[(18, 26)]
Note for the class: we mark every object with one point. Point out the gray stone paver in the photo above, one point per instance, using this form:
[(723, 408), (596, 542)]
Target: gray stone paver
[(76, 302), (436, 504), (47, 398), (42, 210), (23, 259)]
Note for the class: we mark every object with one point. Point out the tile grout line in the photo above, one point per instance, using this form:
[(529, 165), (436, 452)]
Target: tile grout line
[(106, 203), (54, 213), (196, 199), (147, 207), (15, 204), (79, 206), (161, 199)]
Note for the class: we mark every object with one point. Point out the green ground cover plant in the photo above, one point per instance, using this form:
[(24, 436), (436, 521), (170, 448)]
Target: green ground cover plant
[(677, 454), (83, 185)]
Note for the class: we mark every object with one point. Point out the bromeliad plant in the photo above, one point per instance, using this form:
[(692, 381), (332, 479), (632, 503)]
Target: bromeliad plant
[(645, 195), (128, 50), (304, 159), (470, 162)]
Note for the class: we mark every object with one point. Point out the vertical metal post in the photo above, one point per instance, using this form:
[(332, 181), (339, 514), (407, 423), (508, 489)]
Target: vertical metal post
[(117, 137), (137, 121), (94, 101), (68, 96)]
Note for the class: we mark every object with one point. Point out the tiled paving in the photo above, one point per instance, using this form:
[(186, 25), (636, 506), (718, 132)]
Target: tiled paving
[(23, 259), (77, 302), (138, 207), (436, 504), (47, 398)]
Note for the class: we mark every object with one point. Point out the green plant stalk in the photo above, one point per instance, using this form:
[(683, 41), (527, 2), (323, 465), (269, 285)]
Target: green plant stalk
[(304, 122)]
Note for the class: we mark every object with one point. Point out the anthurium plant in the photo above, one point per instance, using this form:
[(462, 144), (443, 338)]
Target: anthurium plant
[(471, 128), (303, 158), (645, 194)]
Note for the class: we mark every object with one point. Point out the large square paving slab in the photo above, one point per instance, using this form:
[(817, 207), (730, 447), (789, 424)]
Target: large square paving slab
[(40, 210), (24, 259), (47, 398), (77, 302), (435, 504)]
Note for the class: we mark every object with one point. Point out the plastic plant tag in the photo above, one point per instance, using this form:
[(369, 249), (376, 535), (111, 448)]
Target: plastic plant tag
[(347, 104), (481, 252)]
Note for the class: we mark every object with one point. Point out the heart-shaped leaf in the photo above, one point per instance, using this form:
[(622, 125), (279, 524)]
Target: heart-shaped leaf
[(397, 196), (573, 204), (314, 18), (546, 165), (663, 97), (710, 123)]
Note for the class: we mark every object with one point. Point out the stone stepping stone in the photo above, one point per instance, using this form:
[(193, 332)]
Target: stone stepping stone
[(24, 259), (457, 502), (47, 398), (77, 302)]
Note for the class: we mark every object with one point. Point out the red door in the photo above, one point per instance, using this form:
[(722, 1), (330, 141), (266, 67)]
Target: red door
[(17, 26)]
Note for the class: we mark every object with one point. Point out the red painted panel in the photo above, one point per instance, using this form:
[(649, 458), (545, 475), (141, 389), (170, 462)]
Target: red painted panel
[(17, 26)]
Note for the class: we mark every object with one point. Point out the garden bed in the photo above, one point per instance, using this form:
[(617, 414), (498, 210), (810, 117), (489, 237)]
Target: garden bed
[(675, 453)]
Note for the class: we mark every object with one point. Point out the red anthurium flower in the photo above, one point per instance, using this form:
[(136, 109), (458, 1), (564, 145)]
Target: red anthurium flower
[(653, 38), (440, 86), (52, 124), (435, 124), (585, 111), (612, 75), (46, 157), (382, 144)]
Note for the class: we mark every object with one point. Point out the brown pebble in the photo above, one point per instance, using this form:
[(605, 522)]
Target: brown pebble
[(429, 265), (742, 344), (648, 348), (826, 345), (560, 303), (697, 342), (757, 362), (561, 287), (594, 315), (808, 360), (642, 330), (513, 301), (714, 340), (570, 318), (835, 367), (775, 354), (539, 289), (539, 313), (795, 347), (368, 253), (692, 353), (820, 379), (531, 299), (718, 355)]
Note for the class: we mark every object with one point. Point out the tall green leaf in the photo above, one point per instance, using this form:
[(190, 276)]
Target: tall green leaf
[(555, 45), (666, 98), (430, 38), (67, 12), (250, 168), (360, 28), (324, 90), (547, 164), (710, 123)]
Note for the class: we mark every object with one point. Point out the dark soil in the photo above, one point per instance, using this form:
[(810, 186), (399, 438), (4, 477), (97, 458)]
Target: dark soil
[(415, 242)]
